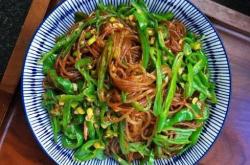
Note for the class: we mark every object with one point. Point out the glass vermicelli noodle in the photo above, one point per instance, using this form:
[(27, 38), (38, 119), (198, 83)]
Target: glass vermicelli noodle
[(128, 84)]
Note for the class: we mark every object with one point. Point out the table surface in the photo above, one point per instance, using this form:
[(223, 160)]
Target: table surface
[(10, 27), (231, 147)]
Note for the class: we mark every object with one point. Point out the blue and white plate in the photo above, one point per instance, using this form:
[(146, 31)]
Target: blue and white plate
[(60, 20)]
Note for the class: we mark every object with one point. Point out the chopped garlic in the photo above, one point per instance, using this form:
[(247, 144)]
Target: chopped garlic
[(74, 86), (118, 25), (97, 145), (112, 19), (195, 100), (196, 46), (90, 113), (180, 41), (180, 71), (93, 31), (90, 99), (90, 66), (152, 40), (61, 103), (75, 112), (79, 111), (166, 79), (165, 58), (182, 85), (92, 40), (131, 17), (150, 32)]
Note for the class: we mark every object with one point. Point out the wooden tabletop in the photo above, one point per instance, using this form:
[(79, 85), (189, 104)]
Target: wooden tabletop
[(231, 148)]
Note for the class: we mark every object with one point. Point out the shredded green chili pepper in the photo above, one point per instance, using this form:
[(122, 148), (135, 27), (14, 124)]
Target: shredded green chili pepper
[(171, 92)]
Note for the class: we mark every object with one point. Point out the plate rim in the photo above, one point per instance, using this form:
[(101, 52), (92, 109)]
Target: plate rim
[(192, 4)]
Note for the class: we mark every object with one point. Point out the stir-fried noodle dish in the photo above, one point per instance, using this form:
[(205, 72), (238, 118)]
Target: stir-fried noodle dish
[(128, 84)]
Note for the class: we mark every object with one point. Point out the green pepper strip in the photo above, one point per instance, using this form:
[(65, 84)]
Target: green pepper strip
[(68, 47), (98, 22), (119, 159), (141, 14), (213, 97), (140, 107), (55, 127), (164, 17), (162, 35), (78, 119), (193, 139), (48, 63), (123, 96), (181, 137), (143, 10), (187, 50), (84, 153), (198, 66), (141, 148), (195, 136), (122, 139), (191, 59), (104, 109), (124, 11), (189, 90), (145, 47), (66, 114), (171, 92), (158, 98), (201, 63), (151, 158), (142, 19), (183, 115), (82, 65), (106, 57), (137, 106), (80, 16), (60, 37), (200, 114), (204, 78), (200, 87), (74, 98), (61, 83), (91, 129), (90, 92), (72, 137), (49, 99)]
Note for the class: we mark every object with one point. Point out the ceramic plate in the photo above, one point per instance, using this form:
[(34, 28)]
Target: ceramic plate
[(60, 20)]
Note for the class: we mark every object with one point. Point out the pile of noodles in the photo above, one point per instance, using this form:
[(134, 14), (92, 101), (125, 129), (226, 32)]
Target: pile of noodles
[(125, 73)]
